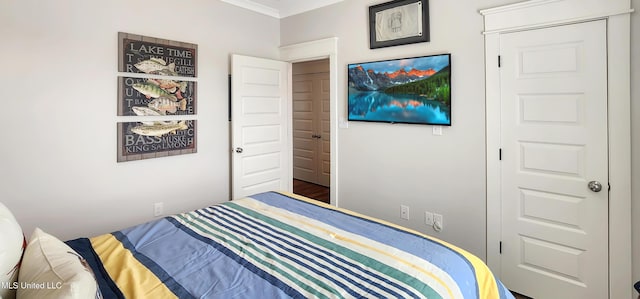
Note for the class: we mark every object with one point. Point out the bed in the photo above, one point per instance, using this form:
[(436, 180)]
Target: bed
[(280, 245)]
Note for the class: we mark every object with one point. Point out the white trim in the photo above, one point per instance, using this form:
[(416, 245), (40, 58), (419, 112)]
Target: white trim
[(281, 8), (561, 22), (257, 7), (492, 106), (619, 73), (544, 13), (515, 6), (538, 13), (313, 50), (294, 7)]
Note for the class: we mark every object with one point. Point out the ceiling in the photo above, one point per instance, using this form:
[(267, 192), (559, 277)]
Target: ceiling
[(281, 8)]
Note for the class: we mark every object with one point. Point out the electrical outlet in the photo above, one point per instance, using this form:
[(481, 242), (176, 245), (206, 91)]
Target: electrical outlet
[(437, 130), (437, 222), (428, 218), (158, 209), (404, 212)]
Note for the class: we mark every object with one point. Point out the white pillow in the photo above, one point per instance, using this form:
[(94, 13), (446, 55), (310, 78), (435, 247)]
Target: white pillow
[(51, 269), (12, 244)]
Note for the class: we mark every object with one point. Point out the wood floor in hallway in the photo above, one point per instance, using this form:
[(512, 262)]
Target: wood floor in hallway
[(311, 190)]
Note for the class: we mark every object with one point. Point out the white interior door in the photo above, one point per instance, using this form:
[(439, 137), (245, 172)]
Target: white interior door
[(311, 122), (554, 142), (260, 121)]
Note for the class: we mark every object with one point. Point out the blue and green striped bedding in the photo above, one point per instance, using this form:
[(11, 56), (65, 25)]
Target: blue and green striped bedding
[(279, 245)]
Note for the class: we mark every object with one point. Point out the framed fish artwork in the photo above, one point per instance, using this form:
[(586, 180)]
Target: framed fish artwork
[(155, 138), (156, 56), (155, 97), (157, 81)]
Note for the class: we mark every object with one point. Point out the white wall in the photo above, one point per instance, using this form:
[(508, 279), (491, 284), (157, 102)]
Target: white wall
[(635, 136), (381, 165), (58, 166)]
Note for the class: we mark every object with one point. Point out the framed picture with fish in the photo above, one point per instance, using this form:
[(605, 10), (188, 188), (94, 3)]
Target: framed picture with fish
[(155, 97), (154, 139), (157, 81), (156, 56)]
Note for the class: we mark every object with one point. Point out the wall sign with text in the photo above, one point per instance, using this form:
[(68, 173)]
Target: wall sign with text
[(155, 56), (155, 97), (154, 139), (158, 81)]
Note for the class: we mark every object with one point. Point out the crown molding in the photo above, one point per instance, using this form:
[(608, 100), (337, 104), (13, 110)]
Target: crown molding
[(257, 7), (281, 8)]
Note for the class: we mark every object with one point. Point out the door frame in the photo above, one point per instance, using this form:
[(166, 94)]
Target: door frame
[(312, 71), (315, 50), (534, 14)]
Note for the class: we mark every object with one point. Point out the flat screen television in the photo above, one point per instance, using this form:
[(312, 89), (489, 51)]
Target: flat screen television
[(413, 90)]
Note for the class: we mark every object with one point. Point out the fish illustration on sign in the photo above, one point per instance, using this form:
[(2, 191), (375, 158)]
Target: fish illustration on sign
[(145, 111), (151, 90), (171, 86), (158, 129), (141, 92), (157, 66), (165, 104)]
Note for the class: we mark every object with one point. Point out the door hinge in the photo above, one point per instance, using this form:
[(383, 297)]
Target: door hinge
[(499, 60), (500, 247), (500, 154)]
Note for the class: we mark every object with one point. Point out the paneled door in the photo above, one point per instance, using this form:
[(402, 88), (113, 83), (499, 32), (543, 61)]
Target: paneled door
[(261, 134), (554, 177), (311, 122)]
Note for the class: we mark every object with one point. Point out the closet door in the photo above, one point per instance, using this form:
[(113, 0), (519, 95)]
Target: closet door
[(554, 165), (311, 122)]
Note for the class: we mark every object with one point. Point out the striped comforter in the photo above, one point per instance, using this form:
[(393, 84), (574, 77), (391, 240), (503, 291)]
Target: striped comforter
[(274, 245)]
